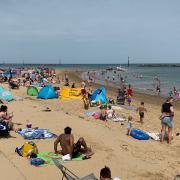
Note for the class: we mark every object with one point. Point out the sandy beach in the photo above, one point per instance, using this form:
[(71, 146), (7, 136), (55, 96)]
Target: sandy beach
[(127, 158)]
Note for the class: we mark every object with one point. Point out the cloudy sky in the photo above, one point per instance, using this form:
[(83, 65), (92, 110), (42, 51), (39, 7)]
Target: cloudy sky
[(89, 31)]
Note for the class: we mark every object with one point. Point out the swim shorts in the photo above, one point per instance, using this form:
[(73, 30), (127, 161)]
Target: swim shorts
[(141, 114), (168, 121), (76, 149)]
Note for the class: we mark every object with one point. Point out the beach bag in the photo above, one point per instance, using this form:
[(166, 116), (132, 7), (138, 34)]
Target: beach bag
[(37, 161), (29, 148), (4, 131)]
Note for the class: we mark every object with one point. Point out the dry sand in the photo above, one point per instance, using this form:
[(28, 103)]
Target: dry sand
[(128, 158)]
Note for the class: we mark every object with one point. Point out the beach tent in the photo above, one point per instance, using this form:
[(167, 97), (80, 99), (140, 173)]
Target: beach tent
[(99, 95), (47, 92), (5, 95), (32, 91)]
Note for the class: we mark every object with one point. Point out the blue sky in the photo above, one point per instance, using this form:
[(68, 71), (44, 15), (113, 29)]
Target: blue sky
[(89, 31)]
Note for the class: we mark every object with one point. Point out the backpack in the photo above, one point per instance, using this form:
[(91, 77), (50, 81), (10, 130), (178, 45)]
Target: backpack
[(37, 161), (29, 148)]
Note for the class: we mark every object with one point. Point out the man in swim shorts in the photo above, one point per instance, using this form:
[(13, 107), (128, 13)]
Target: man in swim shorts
[(141, 109), (68, 146)]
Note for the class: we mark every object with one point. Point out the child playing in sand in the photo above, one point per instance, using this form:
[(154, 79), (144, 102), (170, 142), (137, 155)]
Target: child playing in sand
[(110, 112), (129, 126), (141, 109)]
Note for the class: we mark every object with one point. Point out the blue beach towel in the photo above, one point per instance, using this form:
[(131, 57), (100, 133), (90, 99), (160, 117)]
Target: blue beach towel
[(36, 134), (89, 113)]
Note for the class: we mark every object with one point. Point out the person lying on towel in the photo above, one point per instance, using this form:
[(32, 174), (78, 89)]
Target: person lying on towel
[(68, 146)]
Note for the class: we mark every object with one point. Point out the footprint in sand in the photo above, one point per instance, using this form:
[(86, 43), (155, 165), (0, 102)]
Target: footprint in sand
[(124, 147)]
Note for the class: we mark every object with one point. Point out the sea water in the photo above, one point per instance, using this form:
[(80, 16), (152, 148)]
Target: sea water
[(143, 79)]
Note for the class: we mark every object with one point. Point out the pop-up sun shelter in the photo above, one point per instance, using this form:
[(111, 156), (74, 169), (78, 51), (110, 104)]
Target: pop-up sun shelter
[(99, 95), (5, 95), (47, 92), (32, 91)]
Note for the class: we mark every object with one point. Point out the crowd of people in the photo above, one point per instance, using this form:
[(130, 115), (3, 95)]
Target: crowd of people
[(66, 139), (125, 94)]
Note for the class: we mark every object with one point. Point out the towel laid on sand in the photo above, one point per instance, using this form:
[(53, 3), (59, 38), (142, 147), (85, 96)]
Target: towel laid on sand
[(36, 134), (89, 113), (154, 136), (48, 156), (118, 119)]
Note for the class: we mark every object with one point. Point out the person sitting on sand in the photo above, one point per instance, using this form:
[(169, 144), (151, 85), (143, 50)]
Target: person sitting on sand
[(105, 174), (167, 119), (141, 109), (73, 85), (68, 146), (129, 126), (110, 112), (103, 114), (111, 100), (5, 117), (83, 85), (13, 83)]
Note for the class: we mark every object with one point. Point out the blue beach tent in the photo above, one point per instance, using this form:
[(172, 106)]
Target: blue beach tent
[(99, 95), (5, 95), (47, 92)]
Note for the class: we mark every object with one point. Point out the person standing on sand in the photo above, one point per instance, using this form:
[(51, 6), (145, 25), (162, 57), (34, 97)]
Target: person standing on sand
[(129, 125), (141, 109), (157, 85), (167, 119), (129, 91)]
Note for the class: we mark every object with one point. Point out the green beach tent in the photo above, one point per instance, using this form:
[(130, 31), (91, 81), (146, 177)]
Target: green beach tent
[(32, 91)]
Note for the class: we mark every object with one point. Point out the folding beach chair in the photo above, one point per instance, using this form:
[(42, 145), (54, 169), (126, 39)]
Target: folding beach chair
[(70, 175)]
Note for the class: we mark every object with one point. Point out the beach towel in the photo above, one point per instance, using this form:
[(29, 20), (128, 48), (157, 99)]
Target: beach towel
[(118, 119), (154, 136), (36, 134), (48, 156), (89, 113), (96, 115)]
